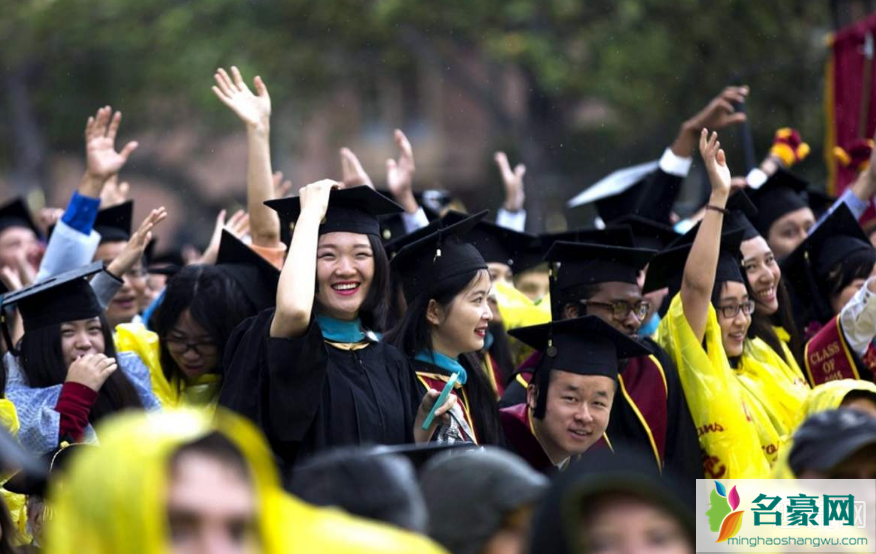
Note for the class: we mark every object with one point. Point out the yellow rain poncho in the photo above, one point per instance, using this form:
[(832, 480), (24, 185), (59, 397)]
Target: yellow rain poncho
[(824, 397), (112, 499), (517, 310), (734, 432), (15, 503), (173, 393)]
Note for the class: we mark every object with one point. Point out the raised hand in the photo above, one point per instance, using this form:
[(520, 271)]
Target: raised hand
[(513, 180), (102, 160), (315, 197), (136, 246), (238, 226), (114, 193), (400, 174), (252, 109), (354, 174), (718, 114), (281, 187), (716, 162), (91, 370)]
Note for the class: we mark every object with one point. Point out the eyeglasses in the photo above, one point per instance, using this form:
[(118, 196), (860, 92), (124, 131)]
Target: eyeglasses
[(180, 346), (730, 311), (620, 308)]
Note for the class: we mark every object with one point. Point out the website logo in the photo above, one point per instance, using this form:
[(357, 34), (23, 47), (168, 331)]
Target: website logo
[(722, 514)]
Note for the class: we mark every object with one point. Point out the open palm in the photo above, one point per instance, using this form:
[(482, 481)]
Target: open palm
[(253, 109), (100, 151)]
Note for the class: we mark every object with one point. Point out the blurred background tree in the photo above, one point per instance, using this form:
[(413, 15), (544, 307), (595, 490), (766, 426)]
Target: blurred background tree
[(573, 89)]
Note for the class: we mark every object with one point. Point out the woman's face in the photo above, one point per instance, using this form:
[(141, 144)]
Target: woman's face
[(838, 301), (622, 523), (461, 326), (344, 273), (81, 337), (127, 302), (787, 232), (763, 274), (733, 329), (191, 347)]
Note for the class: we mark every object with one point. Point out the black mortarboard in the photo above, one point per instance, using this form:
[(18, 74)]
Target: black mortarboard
[(667, 268), (828, 438), (819, 202), (742, 211), (393, 246), (617, 194), (496, 244), (353, 210), (16, 214), (621, 235), (582, 345), (392, 227), (64, 297), (428, 263), (589, 264), (114, 223), (256, 276), (806, 268), (780, 195), (419, 454), (648, 233)]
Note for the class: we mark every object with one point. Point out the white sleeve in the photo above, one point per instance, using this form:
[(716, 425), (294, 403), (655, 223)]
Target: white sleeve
[(675, 165), (516, 221), (67, 249), (414, 221), (858, 319)]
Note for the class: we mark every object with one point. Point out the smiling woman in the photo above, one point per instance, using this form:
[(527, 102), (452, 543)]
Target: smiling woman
[(313, 372), (446, 285)]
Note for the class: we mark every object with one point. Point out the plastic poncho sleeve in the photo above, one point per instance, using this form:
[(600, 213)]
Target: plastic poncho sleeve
[(134, 337), (728, 439)]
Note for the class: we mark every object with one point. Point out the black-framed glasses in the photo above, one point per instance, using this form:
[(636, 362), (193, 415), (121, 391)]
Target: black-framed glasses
[(731, 310), (181, 346), (620, 308)]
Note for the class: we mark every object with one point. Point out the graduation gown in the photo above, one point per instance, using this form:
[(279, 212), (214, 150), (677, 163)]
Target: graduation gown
[(462, 427), (649, 411), (308, 394)]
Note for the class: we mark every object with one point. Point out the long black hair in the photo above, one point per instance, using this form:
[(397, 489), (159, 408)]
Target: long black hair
[(214, 301), (43, 365), (858, 265), (413, 334)]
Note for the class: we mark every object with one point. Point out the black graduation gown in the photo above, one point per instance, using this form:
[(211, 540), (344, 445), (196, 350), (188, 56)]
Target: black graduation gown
[(307, 395), (682, 451)]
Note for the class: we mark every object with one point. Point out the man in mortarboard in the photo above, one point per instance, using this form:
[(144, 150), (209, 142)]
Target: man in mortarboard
[(568, 404), (605, 281)]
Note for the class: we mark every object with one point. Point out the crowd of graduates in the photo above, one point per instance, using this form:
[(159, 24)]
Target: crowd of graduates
[(362, 369)]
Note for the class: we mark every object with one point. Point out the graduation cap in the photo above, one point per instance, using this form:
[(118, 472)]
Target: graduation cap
[(837, 238), (780, 195), (114, 223), (430, 262), (256, 276), (392, 227), (819, 202), (16, 214), (352, 210), (582, 264), (667, 268), (393, 246), (618, 193), (742, 211), (614, 235), (582, 345), (419, 454), (64, 297), (647, 233), (497, 244)]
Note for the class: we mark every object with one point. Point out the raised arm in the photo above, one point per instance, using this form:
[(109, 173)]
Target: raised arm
[(297, 285), (702, 263), (102, 160), (255, 111)]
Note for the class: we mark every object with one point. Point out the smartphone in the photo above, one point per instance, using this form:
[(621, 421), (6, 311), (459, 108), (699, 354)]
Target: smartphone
[(441, 400)]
